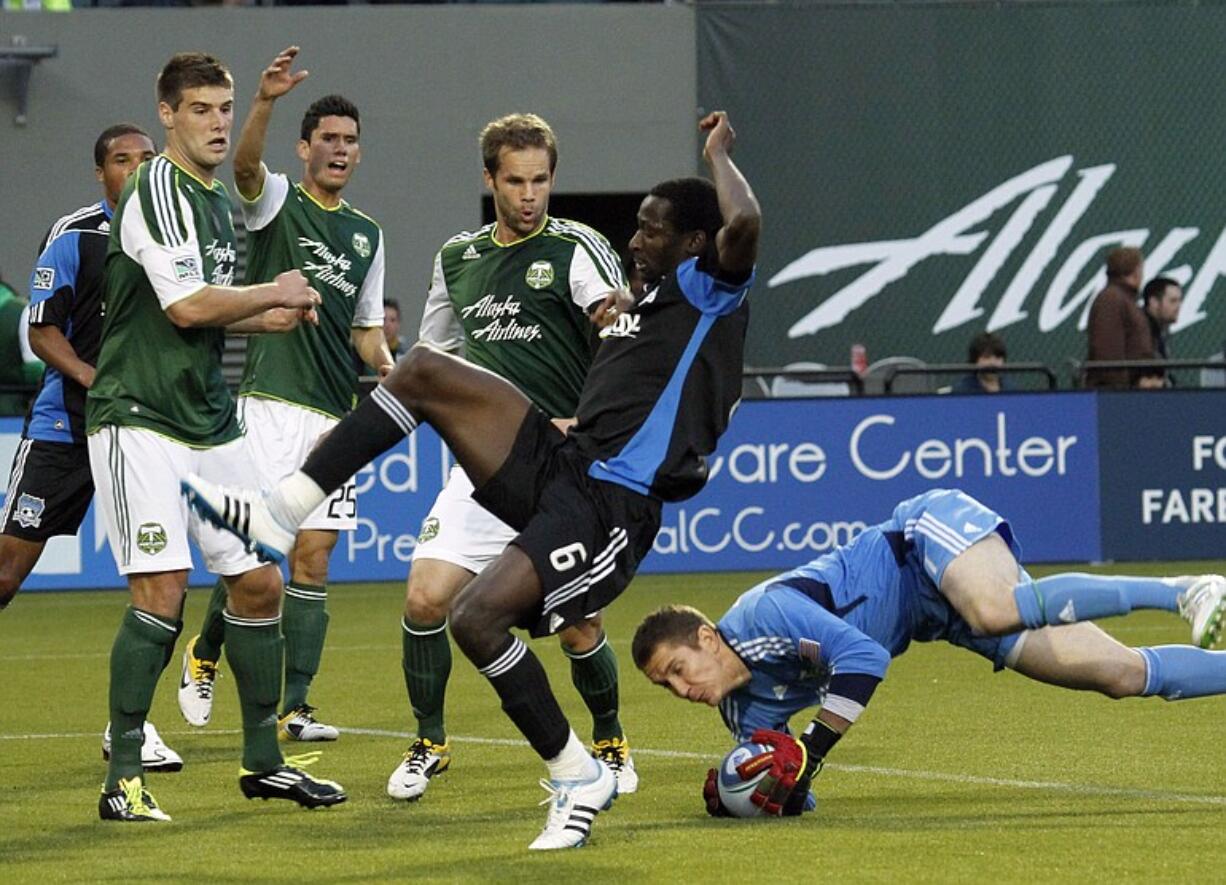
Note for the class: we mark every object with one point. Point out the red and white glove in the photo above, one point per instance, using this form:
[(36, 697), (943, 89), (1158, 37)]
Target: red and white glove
[(785, 765)]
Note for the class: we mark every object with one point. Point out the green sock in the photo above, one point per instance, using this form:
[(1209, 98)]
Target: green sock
[(255, 650), (427, 666), (137, 659), (304, 622), (213, 630), (595, 676)]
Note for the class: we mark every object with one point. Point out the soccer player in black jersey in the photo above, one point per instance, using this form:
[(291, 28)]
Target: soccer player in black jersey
[(50, 485), (587, 504)]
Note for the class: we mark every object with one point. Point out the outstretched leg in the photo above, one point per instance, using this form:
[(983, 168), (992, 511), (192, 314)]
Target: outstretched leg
[(995, 596), (1082, 656), (477, 413)]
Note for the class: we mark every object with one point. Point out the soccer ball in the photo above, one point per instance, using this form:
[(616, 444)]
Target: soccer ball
[(734, 793)]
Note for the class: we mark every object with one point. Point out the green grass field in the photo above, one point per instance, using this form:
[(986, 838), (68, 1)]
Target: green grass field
[(953, 773)]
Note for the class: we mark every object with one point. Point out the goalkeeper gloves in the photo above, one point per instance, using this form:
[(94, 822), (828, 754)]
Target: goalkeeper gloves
[(790, 767), (710, 795)]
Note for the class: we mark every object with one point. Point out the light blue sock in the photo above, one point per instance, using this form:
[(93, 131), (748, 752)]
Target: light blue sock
[(1071, 597), (1178, 672)]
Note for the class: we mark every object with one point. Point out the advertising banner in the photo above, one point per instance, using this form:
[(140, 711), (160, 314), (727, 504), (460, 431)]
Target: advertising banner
[(931, 170), (1164, 475), (792, 479)]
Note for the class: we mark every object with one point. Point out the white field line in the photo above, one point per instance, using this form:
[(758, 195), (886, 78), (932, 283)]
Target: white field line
[(871, 770), (1118, 632)]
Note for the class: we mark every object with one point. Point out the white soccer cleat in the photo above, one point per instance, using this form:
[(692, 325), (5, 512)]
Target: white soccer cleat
[(424, 760), (154, 754), (1202, 605), (573, 805), (243, 513), (196, 687), (615, 753), (300, 724)]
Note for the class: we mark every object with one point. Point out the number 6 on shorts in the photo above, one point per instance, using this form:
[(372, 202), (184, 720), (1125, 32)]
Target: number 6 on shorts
[(566, 558)]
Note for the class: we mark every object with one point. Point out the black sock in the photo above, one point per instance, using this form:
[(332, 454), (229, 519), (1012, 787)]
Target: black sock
[(520, 681), (378, 423)]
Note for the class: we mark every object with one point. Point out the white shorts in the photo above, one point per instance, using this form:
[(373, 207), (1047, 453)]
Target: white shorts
[(137, 474), (280, 436), (459, 530)]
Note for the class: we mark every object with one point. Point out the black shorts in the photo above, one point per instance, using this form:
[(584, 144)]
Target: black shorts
[(50, 488), (586, 537)]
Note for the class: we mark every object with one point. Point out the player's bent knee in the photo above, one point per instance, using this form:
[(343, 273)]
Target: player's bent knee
[(1124, 681), (581, 637), (423, 607)]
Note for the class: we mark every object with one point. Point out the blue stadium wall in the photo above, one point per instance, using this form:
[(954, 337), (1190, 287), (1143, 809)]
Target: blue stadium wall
[(1081, 476)]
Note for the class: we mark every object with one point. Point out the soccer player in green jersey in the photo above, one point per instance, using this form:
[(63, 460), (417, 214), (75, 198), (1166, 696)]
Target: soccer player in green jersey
[(159, 409), (514, 296), (297, 386)]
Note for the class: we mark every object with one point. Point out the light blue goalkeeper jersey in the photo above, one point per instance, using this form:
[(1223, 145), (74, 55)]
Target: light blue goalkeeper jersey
[(854, 608)]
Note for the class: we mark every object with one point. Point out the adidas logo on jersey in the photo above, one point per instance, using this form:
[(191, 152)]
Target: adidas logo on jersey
[(470, 253)]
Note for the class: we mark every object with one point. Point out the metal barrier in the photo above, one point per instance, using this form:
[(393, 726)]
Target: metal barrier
[(830, 374), (1078, 368), (971, 368)]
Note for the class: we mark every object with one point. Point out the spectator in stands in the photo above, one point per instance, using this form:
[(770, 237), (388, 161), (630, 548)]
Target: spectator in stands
[(1117, 328), (986, 350), (20, 369), (1162, 298), (391, 332), (391, 328)]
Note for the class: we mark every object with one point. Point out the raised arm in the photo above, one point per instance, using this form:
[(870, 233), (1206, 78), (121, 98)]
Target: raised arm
[(276, 81), (736, 243)]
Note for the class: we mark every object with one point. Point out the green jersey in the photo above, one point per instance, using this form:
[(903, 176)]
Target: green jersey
[(171, 236), (340, 251), (520, 309)]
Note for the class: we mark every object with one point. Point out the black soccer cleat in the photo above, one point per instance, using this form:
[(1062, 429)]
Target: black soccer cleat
[(130, 802), (287, 781)]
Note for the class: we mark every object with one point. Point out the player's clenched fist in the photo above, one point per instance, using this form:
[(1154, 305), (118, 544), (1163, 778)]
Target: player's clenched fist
[(720, 134), (294, 290)]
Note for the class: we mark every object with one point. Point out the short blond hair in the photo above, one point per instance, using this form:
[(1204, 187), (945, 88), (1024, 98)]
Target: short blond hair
[(517, 131)]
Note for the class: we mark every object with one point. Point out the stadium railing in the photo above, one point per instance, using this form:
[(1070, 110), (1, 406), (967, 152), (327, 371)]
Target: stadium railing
[(759, 380), (1022, 368), (1213, 370)]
